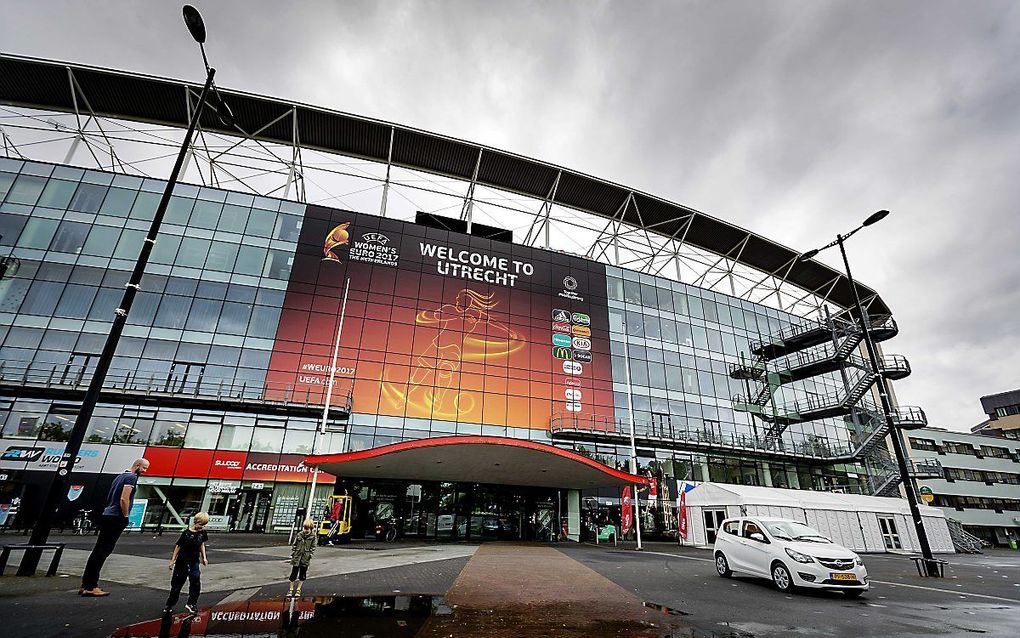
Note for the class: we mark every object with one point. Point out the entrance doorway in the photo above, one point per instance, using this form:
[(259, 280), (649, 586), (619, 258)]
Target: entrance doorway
[(252, 509), (713, 521)]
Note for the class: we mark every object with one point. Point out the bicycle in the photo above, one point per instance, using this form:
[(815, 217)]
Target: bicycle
[(82, 525)]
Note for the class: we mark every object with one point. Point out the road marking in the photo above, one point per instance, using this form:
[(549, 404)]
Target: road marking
[(946, 591), (705, 560), (239, 596)]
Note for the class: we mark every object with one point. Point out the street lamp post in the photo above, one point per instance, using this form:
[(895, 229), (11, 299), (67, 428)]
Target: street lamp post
[(899, 447), (59, 483), (633, 445)]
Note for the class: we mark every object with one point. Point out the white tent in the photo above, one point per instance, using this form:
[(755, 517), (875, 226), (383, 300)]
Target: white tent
[(860, 523)]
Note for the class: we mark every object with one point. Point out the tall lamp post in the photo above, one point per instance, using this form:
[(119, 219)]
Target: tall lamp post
[(899, 448), (59, 483), (633, 446)]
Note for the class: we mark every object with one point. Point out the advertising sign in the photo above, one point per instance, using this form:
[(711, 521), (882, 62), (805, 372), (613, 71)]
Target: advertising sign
[(137, 513), (262, 466), (626, 510), (440, 325), (682, 523), (24, 454), (926, 494)]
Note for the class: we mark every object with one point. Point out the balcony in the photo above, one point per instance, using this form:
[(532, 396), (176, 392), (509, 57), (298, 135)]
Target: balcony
[(70, 382)]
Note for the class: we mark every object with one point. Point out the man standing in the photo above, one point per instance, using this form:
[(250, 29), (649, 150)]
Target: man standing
[(112, 522)]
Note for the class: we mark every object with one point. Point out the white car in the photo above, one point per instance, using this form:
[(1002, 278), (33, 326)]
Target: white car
[(790, 553)]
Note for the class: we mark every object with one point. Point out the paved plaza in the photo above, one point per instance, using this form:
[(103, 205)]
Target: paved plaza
[(509, 589)]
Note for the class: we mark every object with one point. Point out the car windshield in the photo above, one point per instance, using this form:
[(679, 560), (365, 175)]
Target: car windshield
[(794, 531)]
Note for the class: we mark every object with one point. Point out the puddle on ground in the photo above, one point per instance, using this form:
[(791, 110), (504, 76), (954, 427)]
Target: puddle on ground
[(373, 617), (339, 616)]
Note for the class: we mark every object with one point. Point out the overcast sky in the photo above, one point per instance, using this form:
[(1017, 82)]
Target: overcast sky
[(792, 119)]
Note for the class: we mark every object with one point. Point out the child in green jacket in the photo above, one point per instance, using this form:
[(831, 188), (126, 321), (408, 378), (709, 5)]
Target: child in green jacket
[(301, 556)]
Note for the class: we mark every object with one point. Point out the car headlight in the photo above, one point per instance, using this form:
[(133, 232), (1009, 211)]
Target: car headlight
[(797, 556), (859, 561)]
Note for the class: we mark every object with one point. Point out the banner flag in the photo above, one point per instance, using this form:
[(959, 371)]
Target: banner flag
[(683, 515), (627, 510)]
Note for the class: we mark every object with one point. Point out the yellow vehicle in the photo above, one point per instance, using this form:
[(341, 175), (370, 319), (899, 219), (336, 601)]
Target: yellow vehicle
[(335, 524)]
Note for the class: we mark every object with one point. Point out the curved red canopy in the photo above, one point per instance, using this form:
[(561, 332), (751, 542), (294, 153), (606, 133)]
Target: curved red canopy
[(475, 459)]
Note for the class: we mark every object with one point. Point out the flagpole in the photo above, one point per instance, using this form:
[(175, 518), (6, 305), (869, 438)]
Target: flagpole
[(329, 397)]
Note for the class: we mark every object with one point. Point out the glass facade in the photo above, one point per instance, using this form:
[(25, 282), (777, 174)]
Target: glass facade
[(224, 312)]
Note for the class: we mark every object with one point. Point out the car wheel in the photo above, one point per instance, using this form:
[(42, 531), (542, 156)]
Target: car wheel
[(781, 577), (722, 566), (853, 593)]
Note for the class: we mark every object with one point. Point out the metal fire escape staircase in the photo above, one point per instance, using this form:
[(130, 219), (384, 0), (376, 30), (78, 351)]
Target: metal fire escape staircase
[(813, 348)]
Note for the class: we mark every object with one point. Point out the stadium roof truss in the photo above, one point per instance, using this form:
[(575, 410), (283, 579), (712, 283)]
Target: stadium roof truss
[(133, 124)]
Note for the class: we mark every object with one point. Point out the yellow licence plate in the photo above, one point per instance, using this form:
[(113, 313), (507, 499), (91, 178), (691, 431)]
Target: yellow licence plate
[(852, 577)]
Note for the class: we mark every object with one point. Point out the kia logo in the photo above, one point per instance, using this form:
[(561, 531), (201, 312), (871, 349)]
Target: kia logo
[(582, 343)]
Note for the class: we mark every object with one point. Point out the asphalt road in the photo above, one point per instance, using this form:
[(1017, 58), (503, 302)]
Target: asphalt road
[(979, 596)]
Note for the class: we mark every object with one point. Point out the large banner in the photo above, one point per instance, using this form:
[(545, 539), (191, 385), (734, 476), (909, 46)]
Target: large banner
[(441, 325)]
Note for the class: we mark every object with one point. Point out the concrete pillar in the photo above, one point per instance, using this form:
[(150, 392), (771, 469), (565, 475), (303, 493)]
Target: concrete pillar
[(574, 515)]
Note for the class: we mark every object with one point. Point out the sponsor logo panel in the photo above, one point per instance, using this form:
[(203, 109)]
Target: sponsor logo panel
[(561, 340), (561, 352), (560, 315), (561, 326), (580, 319), (581, 343), (584, 356), (572, 367), (580, 331)]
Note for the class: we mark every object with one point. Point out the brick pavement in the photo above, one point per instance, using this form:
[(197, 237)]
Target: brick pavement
[(518, 589)]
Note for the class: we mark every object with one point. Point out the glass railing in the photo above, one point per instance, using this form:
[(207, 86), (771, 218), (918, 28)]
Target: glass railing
[(195, 386)]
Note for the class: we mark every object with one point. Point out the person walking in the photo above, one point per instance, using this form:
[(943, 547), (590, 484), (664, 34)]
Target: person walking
[(112, 522), (189, 553), (301, 556)]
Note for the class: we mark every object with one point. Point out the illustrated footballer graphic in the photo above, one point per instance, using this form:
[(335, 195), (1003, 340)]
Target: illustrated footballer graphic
[(336, 238), (466, 332)]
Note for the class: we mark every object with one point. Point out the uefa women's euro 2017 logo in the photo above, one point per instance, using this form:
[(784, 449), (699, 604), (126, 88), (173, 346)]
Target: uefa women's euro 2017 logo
[(335, 239)]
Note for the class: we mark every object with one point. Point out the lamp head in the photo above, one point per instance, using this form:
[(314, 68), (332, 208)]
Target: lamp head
[(876, 217), (808, 255), (196, 26)]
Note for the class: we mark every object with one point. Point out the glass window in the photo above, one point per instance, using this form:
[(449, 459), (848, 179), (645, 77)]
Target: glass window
[(648, 296), (101, 242), (58, 424), (635, 326), (204, 314), (178, 211), (222, 256), (664, 299), (267, 440), (193, 252), (42, 298), (680, 304), (298, 442), (88, 198), (202, 436), (264, 321), (234, 318), (168, 433), (26, 190), (233, 218), (652, 327), (250, 260), (711, 314), (278, 264), (288, 227), (614, 288), (118, 202), (145, 206), (261, 223), (76, 301), (38, 233), (70, 237), (165, 250), (130, 244), (6, 179), (235, 437), (173, 312), (206, 214), (10, 228), (632, 291)]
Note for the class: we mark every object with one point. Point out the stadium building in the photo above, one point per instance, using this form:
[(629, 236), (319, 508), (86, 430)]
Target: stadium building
[(507, 328)]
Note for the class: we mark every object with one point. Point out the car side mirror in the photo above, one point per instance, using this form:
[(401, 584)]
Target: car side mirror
[(758, 536)]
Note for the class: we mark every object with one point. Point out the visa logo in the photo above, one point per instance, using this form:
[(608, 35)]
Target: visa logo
[(572, 367)]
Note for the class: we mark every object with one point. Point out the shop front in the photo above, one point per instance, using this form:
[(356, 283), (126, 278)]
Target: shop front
[(469, 488)]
